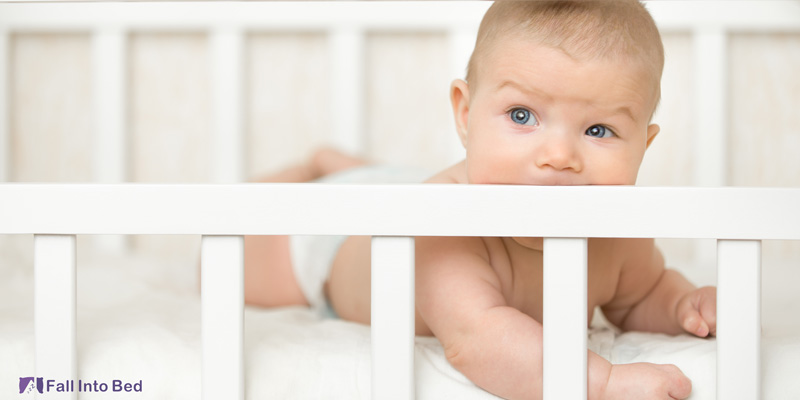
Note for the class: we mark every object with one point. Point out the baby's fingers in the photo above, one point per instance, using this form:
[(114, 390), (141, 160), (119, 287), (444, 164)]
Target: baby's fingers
[(706, 298), (690, 319)]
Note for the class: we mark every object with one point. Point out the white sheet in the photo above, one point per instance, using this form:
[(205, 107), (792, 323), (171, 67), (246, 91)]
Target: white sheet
[(139, 319)]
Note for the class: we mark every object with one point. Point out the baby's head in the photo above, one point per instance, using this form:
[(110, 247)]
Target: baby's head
[(552, 68), (617, 30)]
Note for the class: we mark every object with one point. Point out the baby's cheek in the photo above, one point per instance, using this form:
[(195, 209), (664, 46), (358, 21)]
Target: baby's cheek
[(494, 174), (615, 180), (479, 171), (617, 175), (478, 179)]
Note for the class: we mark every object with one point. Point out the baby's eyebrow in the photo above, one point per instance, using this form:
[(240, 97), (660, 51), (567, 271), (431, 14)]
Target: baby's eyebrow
[(625, 110), (524, 89)]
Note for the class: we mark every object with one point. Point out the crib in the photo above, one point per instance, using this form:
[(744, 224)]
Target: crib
[(737, 218)]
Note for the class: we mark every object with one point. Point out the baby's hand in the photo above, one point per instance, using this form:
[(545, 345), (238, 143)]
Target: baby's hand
[(647, 381), (697, 311)]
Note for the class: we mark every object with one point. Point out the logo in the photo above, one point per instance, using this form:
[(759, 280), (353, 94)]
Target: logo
[(28, 383)]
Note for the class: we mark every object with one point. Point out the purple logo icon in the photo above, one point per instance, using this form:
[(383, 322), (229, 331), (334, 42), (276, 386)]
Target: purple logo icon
[(26, 384)]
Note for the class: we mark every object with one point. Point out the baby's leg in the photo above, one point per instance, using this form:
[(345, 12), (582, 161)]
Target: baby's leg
[(324, 161), (348, 286), (269, 279)]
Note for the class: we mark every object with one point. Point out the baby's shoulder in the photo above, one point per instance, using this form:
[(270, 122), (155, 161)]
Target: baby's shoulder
[(464, 254), (617, 258), (463, 261)]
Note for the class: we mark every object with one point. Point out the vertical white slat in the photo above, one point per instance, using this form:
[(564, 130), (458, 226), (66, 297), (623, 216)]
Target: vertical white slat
[(392, 319), (222, 295), (55, 311), (228, 135), (710, 105), (346, 49), (565, 319), (5, 148), (109, 89), (739, 319)]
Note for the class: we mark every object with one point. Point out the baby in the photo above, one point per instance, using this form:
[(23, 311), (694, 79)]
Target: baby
[(557, 93)]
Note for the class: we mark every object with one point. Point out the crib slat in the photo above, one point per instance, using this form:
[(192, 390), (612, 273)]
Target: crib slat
[(54, 310), (347, 88), (222, 294), (710, 62), (228, 137), (109, 59), (565, 316), (392, 318), (738, 319)]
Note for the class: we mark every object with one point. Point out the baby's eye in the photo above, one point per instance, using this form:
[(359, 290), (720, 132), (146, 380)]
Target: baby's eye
[(523, 117), (599, 131)]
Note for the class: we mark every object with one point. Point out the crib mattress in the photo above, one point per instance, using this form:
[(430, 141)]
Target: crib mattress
[(139, 322)]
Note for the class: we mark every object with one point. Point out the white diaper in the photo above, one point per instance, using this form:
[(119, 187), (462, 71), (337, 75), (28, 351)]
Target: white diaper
[(312, 256)]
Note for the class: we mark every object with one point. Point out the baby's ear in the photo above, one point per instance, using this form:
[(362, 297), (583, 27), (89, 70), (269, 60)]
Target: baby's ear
[(652, 132), (459, 99)]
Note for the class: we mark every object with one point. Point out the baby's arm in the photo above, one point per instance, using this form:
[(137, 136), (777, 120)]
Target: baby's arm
[(498, 347), (651, 298)]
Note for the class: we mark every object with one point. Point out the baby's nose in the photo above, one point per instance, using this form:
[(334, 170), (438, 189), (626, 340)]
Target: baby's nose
[(559, 152)]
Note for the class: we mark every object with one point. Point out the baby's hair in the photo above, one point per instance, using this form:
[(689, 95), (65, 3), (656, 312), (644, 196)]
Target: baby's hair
[(583, 29)]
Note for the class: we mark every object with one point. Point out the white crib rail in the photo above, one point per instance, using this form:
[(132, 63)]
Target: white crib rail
[(400, 210), (738, 217)]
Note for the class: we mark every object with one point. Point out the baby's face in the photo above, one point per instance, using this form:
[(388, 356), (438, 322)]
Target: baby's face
[(539, 117)]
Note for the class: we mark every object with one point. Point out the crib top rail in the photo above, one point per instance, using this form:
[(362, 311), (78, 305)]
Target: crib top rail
[(401, 210), (677, 15), (257, 15)]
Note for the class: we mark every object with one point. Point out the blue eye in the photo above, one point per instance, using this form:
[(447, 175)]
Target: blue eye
[(523, 117), (599, 131)]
